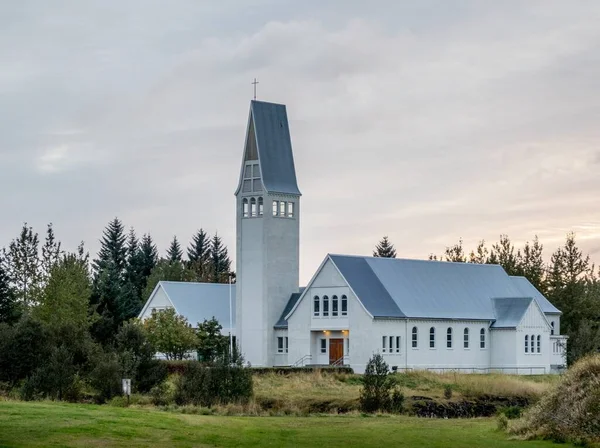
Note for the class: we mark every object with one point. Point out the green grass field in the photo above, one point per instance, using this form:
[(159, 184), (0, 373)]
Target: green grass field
[(49, 424)]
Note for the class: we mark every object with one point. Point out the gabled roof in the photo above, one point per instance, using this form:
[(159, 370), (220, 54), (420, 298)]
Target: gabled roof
[(269, 124), (199, 301), (528, 290), (282, 322), (510, 311), (398, 288)]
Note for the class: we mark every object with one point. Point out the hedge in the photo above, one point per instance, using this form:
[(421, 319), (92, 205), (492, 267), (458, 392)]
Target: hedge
[(179, 367)]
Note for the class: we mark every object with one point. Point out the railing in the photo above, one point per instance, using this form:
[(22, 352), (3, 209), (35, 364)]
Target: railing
[(338, 362), (302, 361), (484, 370)]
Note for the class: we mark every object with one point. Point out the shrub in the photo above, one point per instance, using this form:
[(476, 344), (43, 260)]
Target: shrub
[(106, 378), (208, 385), (377, 385), (502, 422), (397, 401), (512, 412), (161, 394), (447, 391), (569, 411)]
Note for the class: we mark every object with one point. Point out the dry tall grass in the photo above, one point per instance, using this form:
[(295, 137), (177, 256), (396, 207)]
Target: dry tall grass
[(570, 410)]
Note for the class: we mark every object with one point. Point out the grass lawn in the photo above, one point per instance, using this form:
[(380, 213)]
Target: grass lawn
[(49, 424)]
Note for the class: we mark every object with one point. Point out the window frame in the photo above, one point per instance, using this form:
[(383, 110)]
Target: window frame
[(383, 343), (344, 307), (482, 339), (280, 345), (432, 337), (261, 206), (334, 306), (275, 208), (539, 343), (290, 209), (323, 348), (526, 343), (253, 208), (398, 343), (415, 337), (245, 208), (449, 337), (466, 338), (325, 307), (316, 306)]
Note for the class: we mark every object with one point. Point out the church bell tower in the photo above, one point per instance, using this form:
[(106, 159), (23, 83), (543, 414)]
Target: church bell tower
[(268, 231)]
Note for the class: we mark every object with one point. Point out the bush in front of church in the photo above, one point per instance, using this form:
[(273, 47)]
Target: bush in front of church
[(378, 393), (219, 383)]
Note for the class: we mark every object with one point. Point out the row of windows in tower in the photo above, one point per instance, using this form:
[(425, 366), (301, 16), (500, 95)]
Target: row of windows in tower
[(321, 307), (531, 343), (254, 207), (449, 338)]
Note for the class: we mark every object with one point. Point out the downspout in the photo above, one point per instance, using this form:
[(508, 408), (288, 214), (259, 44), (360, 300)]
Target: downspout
[(406, 345)]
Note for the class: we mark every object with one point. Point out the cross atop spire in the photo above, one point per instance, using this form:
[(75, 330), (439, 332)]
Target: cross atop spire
[(254, 83)]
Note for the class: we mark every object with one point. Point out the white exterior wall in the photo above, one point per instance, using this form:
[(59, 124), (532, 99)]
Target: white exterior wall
[(556, 319), (280, 359), (504, 341), (267, 274), (533, 323), (158, 301)]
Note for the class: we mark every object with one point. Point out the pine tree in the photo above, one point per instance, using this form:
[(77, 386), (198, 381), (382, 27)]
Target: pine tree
[(24, 266), (199, 255), (50, 253), (174, 252), (149, 256), (503, 253), (130, 299), (109, 280), (532, 264), (384, 249), (8, 306), (220, 264)]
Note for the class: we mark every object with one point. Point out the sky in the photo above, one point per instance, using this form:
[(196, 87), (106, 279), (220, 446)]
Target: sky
[(427, 121)]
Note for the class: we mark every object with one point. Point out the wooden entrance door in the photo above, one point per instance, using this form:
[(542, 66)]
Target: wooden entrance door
[(336, 350)]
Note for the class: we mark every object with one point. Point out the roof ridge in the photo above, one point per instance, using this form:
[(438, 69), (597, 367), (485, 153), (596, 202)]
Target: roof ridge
[(369, 257), (194, 283)]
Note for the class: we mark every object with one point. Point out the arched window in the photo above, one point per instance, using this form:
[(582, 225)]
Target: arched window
[(415, 337), (432, 337), (261, 208), (275, 207), (325, 306), (344, 306), (526, 344), (482, 338), (552, 328), (466, 338), (532, 344), (449, 338), (316, 306), (245, 207), (539, 344), (334, 306), (253, 207)]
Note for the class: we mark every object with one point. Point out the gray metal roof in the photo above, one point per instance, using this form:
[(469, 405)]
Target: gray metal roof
[(274, 145), (396, 288), (528, 290), (282, 322), (510, 311), (199, 301)]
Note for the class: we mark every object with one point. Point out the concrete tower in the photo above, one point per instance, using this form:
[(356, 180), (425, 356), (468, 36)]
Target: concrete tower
[(268, 230)]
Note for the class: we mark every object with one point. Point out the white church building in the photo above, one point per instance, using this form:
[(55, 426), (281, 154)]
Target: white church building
[(418, 314)]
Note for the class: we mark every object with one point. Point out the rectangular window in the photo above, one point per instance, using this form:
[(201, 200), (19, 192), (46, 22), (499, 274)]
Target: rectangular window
[(282, 208), (383, 343), (539, 345), (415, 337), (482, 338), (391, 339), (323, 345), (466, 339), (316, 306), (275, 208), (449, 338), (279, 345), (397, 344), (344, 306), (290, 209), (245, 208), (432, 339), (252, 207), (325, 306), (334, 306)]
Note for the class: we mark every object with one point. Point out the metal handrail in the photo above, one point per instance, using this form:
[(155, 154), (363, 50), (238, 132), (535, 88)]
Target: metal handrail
[(338, 362), (300, 362)]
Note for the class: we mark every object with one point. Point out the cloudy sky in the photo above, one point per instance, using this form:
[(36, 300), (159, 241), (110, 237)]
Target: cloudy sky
[(423, 120)]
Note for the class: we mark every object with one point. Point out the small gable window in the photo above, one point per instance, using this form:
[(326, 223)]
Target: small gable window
[(344, 306), (526, 344), (449, 338), (415, 337), (316, 306), (334, 306), (325, 306), (432, 337), (539, 344), (482, 338), (466, 338)]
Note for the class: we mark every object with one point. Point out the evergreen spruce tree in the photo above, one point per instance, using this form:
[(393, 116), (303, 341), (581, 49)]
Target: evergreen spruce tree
[(532, 264), (23, 265), (109, 280), (167, 271), (50, 253), (9, 312), (384, 249), (503, 253), (174, 252), (130, 299), (149, 256), (220, 264), (199, 255)]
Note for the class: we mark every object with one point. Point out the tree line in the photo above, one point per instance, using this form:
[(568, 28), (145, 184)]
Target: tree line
[(38, 276), (569, 280)]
